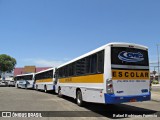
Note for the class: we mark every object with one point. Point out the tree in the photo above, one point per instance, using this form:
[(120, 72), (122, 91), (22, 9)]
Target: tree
[(7, 63)]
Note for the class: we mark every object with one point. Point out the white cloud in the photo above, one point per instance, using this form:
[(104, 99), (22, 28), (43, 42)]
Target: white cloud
[(48, 63), (43, 62), (153, 62)]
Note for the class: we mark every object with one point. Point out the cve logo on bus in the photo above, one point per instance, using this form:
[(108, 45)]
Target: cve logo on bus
[(130, 56)]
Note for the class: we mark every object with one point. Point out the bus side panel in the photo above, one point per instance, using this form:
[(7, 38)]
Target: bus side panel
[(50, 86), (68, 91), (90, 93), (40, 86), (21, 84), (93, 95), (30, 83), (48, 82)]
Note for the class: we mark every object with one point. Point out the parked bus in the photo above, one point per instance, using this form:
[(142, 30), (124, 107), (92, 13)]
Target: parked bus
[(44, 80), (25, 80), (114, 73)]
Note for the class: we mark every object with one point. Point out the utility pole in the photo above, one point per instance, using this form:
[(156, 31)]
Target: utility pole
[(158, 61)]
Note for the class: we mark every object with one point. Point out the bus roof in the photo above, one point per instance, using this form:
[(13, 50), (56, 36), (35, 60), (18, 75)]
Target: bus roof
[(45, 70), (126, 44), (120, 44)]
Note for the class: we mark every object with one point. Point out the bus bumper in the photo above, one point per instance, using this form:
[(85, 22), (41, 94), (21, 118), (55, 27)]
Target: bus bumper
[(112, 99)]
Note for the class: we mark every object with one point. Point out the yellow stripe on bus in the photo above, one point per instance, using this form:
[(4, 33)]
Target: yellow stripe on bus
[(96, 78), (44, 80), (130, 74)]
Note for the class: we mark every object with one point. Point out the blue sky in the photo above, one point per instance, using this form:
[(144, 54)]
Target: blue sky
[(51, 32)]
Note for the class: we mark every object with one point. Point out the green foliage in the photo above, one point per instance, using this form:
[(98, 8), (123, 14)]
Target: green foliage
[(7, 63), (155, 82)]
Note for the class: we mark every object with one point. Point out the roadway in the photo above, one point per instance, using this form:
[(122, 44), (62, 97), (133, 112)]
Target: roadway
[(13, 99), (156, 88)]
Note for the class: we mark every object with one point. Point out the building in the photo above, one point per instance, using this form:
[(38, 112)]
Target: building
[(28, 69)]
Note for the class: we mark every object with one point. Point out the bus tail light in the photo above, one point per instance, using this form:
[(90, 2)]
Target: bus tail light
[(109, 86)]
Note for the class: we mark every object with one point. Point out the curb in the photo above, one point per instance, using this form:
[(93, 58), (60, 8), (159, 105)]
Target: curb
[(155, 100), (154, 85), (154, 95)]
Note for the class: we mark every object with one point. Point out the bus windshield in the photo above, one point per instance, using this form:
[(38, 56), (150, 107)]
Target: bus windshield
[(129, 56)]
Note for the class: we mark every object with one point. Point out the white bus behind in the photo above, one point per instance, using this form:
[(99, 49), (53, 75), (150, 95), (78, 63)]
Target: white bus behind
[(44, 80), (25, 80)]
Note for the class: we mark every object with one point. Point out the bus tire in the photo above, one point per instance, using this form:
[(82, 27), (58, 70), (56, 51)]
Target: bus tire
[(79, 98), (59, 92), (25, 86), (37, 87), (45, 88)]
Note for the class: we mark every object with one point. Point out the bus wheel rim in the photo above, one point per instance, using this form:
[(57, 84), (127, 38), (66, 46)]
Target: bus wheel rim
[(45, 89), (59, 92), (78, 98)]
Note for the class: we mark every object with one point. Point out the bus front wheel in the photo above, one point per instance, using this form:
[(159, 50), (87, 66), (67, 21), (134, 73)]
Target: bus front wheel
[(79, 99)]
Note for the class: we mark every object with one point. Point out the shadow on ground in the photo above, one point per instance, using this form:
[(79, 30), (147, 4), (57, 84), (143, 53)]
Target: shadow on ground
[(116, 111)]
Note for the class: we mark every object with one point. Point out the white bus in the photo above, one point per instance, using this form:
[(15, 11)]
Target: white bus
[(114, 73), (44, 80), (25, 80)]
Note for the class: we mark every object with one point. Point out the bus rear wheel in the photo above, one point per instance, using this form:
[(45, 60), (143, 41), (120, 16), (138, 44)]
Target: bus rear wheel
[(25, 86), (59, 92), (37, 87), (45, 89), (79, 99)]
